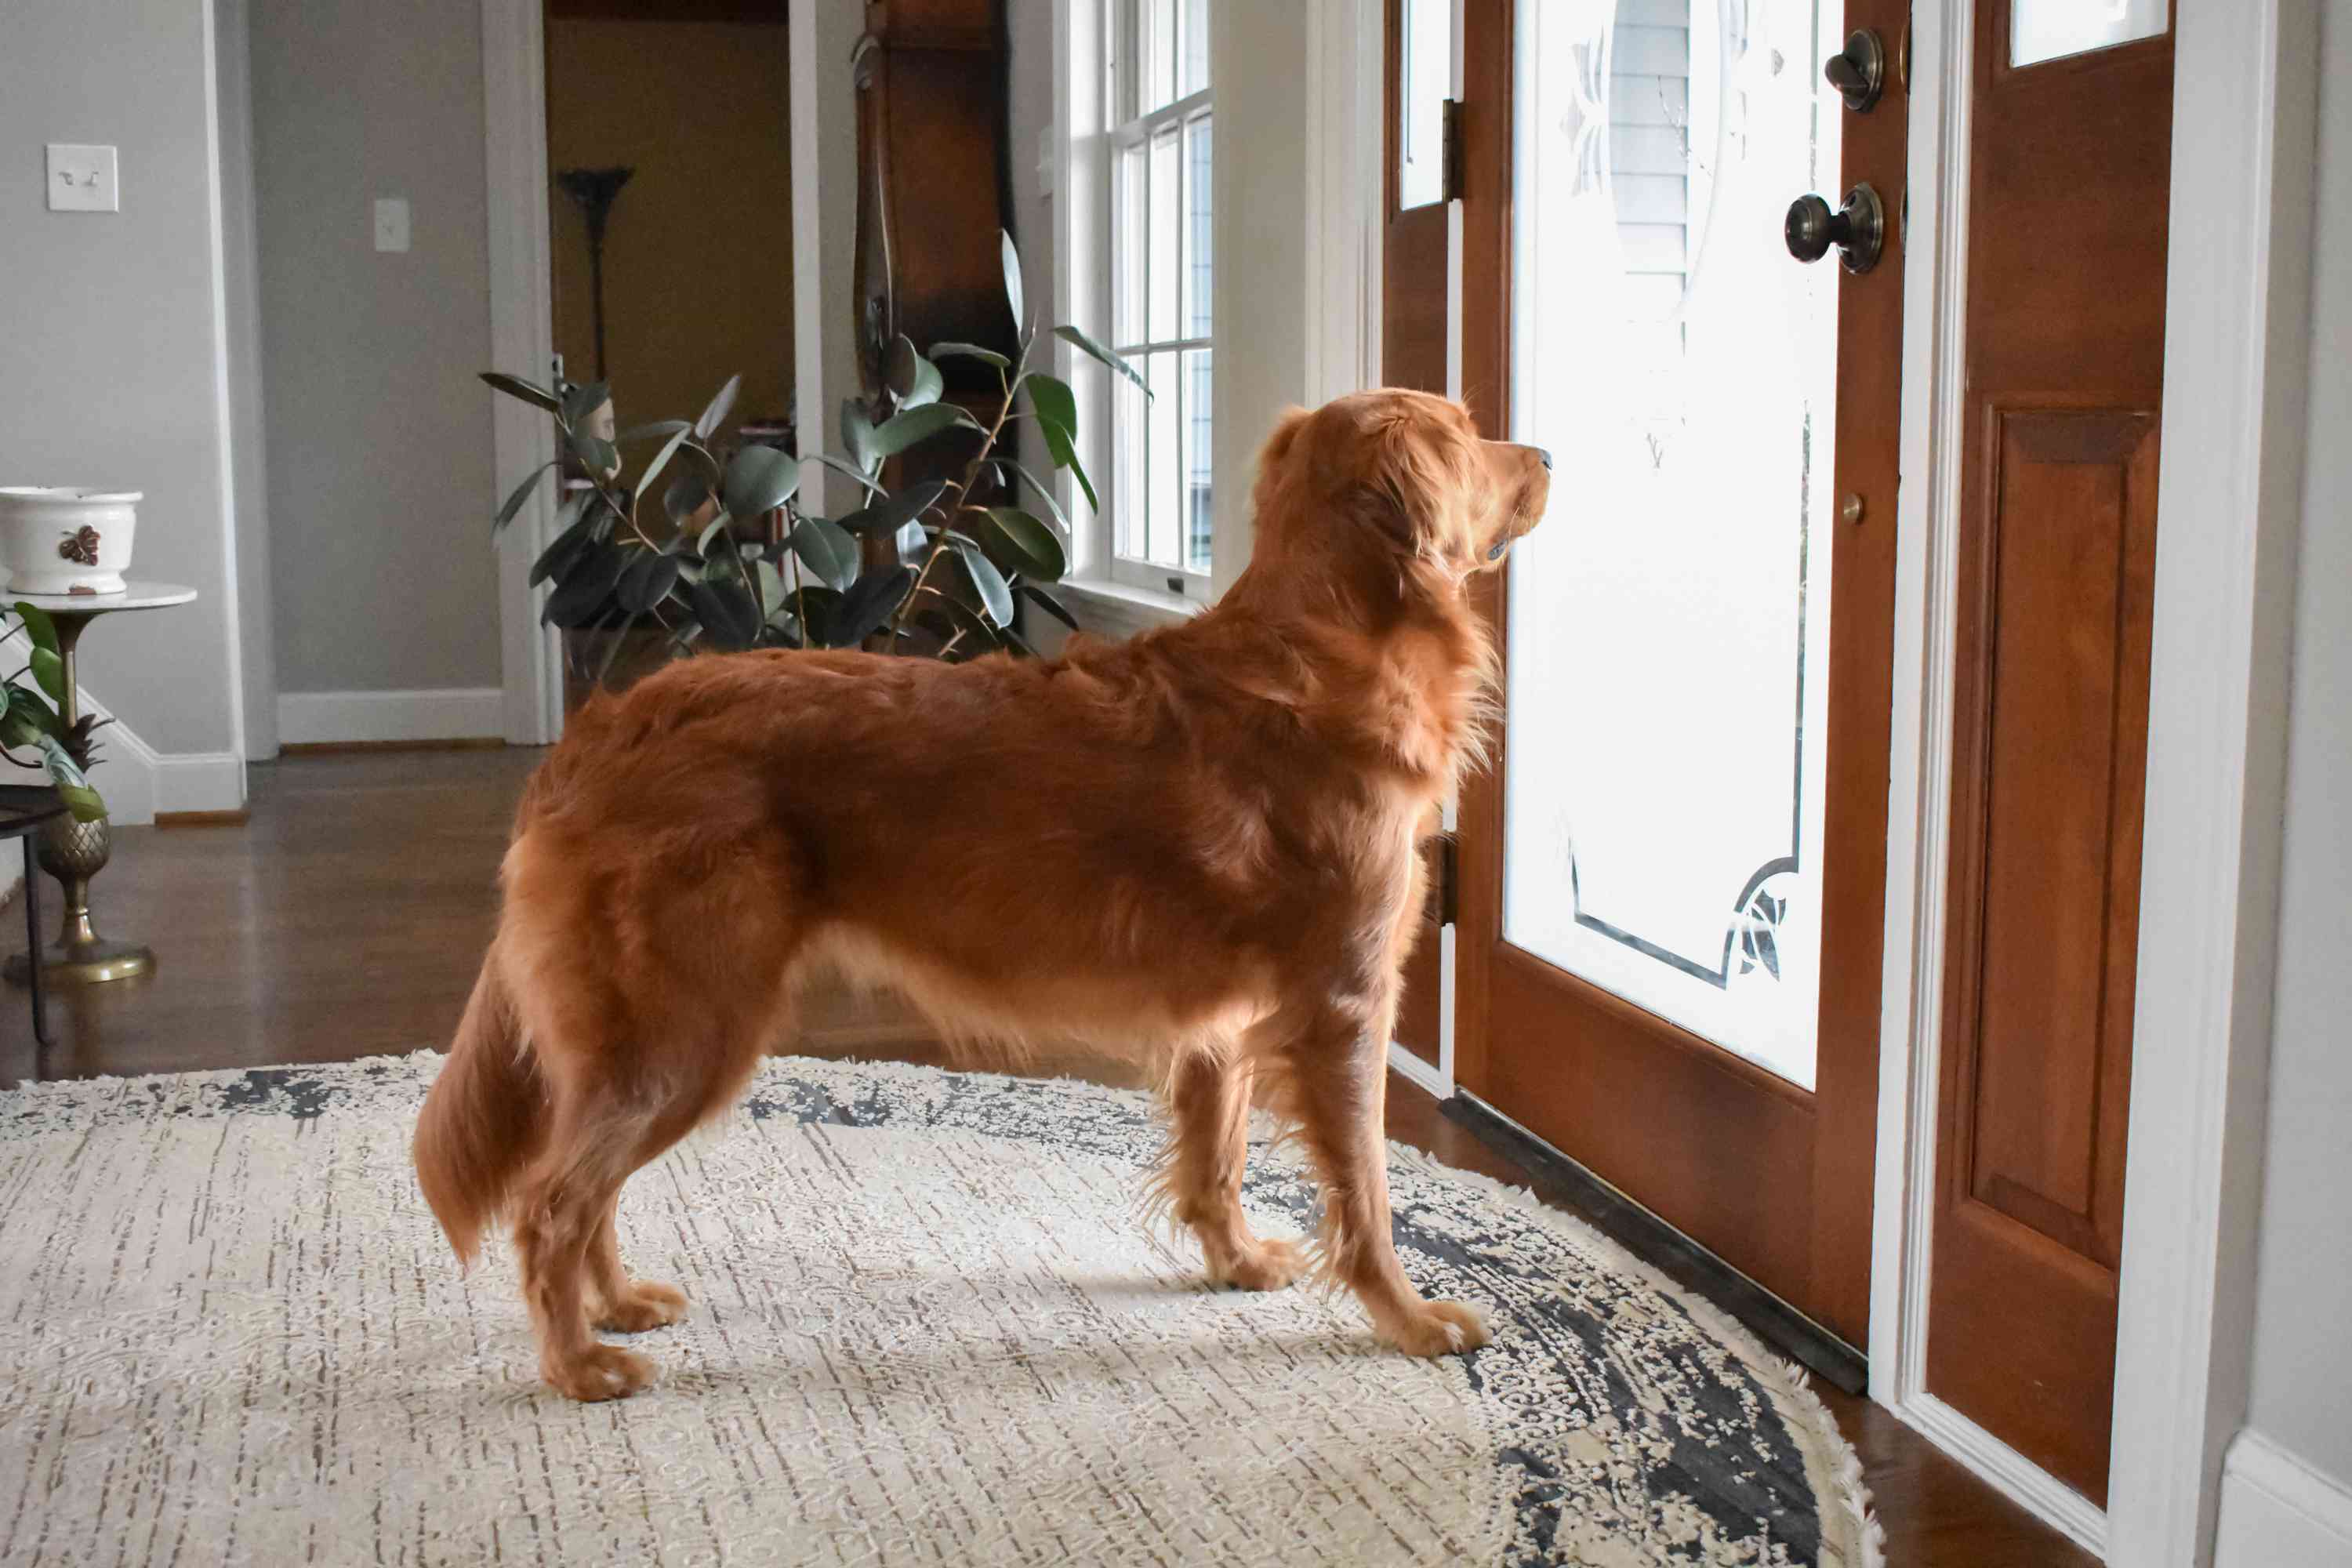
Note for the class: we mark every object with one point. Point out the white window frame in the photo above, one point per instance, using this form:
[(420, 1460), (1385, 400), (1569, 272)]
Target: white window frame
[(1089, 142)]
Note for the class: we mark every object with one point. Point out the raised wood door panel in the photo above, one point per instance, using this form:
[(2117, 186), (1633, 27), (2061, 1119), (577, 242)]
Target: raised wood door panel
[(1775, 1179), (1414, 329), (2069, 174)]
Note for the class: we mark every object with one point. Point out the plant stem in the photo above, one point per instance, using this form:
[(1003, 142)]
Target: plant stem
[(962, 488)]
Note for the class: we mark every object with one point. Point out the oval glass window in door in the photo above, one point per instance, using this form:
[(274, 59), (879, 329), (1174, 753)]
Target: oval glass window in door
[(1669, 622)]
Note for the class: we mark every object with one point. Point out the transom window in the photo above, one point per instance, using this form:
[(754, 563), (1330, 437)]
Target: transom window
[(1160, 266)]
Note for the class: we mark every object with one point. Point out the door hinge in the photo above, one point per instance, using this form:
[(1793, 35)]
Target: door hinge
[(1450, 150), (1444, 878)]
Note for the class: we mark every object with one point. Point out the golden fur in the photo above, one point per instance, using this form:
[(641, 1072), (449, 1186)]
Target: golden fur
[(1197, 847)]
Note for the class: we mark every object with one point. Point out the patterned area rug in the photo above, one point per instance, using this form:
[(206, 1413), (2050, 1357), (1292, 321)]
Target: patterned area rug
[(926, 1327)]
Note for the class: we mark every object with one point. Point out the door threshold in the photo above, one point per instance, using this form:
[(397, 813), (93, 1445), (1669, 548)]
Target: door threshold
[(1655, 1242)]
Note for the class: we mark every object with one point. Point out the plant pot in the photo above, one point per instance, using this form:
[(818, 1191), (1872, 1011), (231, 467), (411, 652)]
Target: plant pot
[(57, 541)]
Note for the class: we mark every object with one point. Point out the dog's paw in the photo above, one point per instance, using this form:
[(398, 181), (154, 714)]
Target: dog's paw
[(645, 1305), (1265, 1265), (1439, 1328), (600, 1372)]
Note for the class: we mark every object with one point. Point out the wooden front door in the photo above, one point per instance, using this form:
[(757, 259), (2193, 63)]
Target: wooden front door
[(1672, 874), (2069, 177)]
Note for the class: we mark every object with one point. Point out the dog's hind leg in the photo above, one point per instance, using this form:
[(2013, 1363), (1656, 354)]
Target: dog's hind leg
[(565, 1196), (1337, 1055), (615, 1300), (1209, 1100)]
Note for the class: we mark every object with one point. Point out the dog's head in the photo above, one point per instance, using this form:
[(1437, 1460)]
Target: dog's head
[(1401, 478)]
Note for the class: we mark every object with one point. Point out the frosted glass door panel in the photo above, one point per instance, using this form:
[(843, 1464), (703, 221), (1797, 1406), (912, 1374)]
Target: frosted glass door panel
[(2042, 30), (1669, 622)]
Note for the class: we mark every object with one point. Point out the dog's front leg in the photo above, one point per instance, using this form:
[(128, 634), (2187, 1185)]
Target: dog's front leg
[(1208, 1102), (1338, 1055)]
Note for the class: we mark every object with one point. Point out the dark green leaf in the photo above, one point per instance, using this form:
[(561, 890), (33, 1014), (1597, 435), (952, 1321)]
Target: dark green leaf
[(1057, 415), (995, 593), (559, 555), (886, 516), (826, 549), (515, 498), (50, 671), (970, 351), (595, 454), (685, 497), (726, 613), (1023, 545), (1047, 603), (580, 402), (858, 434), (661, 459), (913, 380), (913, 541), (1086, 345), (843, 470), (72, 787), (514, 386), (44, 719), (917, 425), (715, 413), (39, 630), (646, 581), (1013, 283), (867, 603), (659, 427), (759, 480), (716, 534), (1086, 485), (584, 586), (1042, 491)]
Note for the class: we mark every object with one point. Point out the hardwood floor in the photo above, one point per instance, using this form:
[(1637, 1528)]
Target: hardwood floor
[(346, 918)]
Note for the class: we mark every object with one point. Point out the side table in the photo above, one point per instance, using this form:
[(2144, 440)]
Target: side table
[(73, 852)]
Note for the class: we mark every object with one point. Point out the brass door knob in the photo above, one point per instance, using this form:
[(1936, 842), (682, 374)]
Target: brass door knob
[(1858, 229)]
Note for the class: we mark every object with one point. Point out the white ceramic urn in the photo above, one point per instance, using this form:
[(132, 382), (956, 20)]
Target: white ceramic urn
[(65, 541)]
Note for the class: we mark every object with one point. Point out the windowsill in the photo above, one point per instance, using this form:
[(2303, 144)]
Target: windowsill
[(1112, 609)]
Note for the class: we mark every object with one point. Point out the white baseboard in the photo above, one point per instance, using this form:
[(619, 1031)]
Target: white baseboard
[(452, 714), (2276, 1510), (139, 782), (2008, 1472), (1419, 1073)]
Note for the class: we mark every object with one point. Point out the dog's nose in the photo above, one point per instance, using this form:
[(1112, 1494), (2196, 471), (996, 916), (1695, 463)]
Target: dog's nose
[(1544, 456)]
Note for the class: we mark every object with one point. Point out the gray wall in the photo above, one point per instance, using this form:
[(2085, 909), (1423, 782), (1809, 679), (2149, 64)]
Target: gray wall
[(2303, 1348), (381, 482), (111, 342)]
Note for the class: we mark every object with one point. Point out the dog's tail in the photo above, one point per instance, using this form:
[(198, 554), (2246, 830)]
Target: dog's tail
[(485, 1118)]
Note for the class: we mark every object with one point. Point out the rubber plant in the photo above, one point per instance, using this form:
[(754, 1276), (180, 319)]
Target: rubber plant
[(928, 569), (33, 721)]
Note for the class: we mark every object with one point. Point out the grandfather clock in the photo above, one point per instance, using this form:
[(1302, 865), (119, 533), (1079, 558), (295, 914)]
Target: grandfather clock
[(933, 188)]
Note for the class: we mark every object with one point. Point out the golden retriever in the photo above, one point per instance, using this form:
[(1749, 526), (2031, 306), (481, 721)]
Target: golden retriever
[(1197, 847)]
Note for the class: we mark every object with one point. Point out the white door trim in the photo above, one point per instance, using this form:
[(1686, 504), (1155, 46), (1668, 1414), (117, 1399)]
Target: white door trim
[(522, 342), (2234, 361)]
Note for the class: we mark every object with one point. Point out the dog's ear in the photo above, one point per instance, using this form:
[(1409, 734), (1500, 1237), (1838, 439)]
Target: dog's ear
[(1286, 435)]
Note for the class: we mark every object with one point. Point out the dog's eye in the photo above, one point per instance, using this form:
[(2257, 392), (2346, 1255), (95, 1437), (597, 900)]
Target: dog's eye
[(1497, 553)]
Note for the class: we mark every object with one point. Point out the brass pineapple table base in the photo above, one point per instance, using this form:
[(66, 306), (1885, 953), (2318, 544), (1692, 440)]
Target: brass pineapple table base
[(73, 852)]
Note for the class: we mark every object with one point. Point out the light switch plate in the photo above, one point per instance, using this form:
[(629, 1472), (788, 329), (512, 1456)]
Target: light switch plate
[(82, 179), (391, 223)]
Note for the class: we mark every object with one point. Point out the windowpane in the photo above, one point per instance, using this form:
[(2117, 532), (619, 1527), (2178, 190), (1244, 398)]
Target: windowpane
[(1165, 246), (1163, 461), (1131, 255), (1159, 56), (2048, 29), (1196, 460), (1195, 73), (1128, 498), (1197, 228)]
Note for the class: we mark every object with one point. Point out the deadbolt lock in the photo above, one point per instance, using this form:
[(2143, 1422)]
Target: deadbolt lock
[(1859, 72)]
